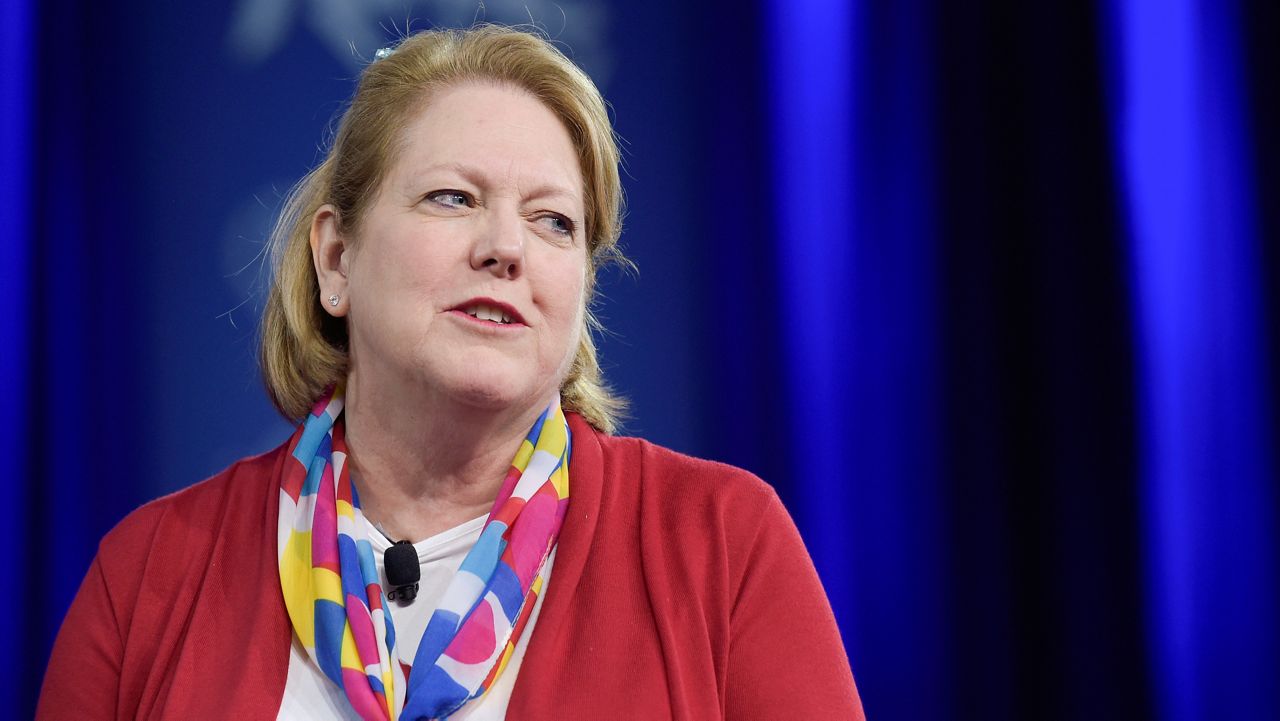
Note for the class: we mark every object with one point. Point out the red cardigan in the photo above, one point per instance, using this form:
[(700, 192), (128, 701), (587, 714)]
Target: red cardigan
[(681, 590)]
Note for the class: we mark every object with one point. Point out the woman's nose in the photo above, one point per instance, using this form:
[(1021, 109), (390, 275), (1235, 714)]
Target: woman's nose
[(500, 245)]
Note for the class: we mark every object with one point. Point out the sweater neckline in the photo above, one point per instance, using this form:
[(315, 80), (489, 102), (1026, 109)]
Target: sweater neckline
[(586, 468)]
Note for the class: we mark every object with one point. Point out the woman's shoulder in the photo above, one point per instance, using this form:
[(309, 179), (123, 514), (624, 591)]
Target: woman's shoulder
[(651, 464), (702, 526), (680, 489), (197, 513), (166, 580), (656, 464)]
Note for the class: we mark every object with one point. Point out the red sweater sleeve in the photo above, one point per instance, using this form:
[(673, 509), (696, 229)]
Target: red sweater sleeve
[(83, 678), (786, 660)]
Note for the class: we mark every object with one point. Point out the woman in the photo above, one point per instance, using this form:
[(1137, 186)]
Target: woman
[(429, 319)]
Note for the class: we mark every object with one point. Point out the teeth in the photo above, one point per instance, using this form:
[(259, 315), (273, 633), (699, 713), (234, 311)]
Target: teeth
[(484, 312)]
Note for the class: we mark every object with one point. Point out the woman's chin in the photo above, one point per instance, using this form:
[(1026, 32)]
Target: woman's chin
[(489, 391), (485, 379)]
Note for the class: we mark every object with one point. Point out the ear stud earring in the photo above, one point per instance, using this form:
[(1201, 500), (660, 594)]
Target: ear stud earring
[(333, 300)]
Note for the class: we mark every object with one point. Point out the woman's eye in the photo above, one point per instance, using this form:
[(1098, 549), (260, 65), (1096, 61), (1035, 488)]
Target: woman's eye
[(558, 224), (451, 198)]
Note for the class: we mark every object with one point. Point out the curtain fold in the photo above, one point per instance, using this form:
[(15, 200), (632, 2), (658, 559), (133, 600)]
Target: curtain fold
[(75, 435), (16, 91), (1208, 473)]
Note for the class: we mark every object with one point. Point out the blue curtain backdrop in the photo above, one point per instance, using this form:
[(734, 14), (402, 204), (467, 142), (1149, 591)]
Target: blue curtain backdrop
[(987, 291)]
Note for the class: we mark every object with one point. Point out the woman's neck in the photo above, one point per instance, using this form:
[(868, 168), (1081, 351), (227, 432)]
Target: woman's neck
[(423, 464)]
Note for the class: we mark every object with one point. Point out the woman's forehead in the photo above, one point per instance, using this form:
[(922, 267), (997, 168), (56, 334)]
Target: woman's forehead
[(490, 134)]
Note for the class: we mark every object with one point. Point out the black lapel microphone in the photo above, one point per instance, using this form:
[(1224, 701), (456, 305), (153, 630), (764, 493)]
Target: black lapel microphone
[(403, 572)]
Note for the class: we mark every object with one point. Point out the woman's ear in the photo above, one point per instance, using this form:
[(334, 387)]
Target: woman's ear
[(329, 254)]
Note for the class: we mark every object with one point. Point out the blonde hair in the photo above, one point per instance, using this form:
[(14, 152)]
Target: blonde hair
[(304, 349)]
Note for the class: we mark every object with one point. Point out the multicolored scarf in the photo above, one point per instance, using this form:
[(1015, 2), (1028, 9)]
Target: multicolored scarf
[(334, 594)]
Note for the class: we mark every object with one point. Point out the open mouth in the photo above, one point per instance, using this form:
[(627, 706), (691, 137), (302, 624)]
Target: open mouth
[(491, 311)]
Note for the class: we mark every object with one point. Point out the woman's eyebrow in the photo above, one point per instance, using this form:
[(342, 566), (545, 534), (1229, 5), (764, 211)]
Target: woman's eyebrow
[(468, 173), (549, 191)]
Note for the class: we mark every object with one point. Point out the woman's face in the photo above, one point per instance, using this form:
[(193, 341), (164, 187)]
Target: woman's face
[(469, 270)]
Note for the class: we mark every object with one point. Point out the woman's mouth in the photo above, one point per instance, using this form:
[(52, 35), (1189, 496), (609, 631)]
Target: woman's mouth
[(481, 311), (490, 312)]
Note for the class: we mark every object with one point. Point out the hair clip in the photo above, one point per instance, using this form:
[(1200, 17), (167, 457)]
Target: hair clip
[(383, 53)]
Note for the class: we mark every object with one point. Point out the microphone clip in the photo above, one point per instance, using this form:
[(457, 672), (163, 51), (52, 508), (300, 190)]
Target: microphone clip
[(403, 573)]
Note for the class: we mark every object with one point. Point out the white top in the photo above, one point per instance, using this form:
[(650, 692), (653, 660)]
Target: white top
[(309, 694)]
